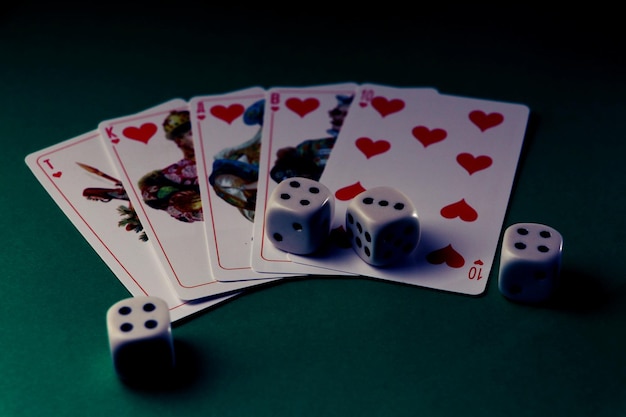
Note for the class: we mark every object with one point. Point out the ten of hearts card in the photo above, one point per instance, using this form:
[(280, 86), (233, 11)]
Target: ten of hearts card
[(454, 157)]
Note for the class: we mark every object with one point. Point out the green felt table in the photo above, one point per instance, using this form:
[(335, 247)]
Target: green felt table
[(321, 346)]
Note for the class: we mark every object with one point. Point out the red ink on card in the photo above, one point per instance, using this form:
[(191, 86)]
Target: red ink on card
[(427, 136), (485, 121), (200, 111), (473, 163), (142, 133), (461, 210), (371, 148), (446, 255), (475, 273), (386, 107), (109, 132), (366, 97), (302, 107), (227, 114), (349, 192)]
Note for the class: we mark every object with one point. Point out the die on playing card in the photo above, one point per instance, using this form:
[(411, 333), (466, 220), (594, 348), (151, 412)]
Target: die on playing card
[(298, 215), (382, 225), (530, 262), (140, 338)]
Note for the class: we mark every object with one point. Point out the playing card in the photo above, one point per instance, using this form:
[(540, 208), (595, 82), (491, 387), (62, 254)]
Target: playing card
[(454, 157), (227, 137), (300, 128), (154, 154), (77, 175)]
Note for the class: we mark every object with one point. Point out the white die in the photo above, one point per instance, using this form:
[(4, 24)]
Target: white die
[(382, 225), (140, 337), (299, 215), (530, 262)]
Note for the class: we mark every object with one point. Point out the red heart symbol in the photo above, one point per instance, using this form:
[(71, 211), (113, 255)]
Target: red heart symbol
[(116, 140), (478, 262), (57, 174), (201, 116), (142, 133), (362, 104), (349, 192), (473, 163), (302, 107), (428, 137), (274, 108), (485, 121), (371, 148), (461, 210), (227, 114), (386, 107), (448, 255)]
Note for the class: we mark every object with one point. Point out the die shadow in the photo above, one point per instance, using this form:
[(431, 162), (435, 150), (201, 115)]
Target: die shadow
[(189, 366), (582, 293)]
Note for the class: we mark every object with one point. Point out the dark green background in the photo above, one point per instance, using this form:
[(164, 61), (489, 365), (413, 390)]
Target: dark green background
[(322, 346)]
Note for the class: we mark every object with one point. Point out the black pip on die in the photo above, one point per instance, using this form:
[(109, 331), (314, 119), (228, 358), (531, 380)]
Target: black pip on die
[(140, 338), (382, 225), (299, 215), (530, 262)]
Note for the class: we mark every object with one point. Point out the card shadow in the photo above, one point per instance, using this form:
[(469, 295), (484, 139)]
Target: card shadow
[(532, 126)]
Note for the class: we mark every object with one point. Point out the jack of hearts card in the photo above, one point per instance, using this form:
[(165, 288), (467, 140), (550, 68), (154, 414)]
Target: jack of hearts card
[(300, 128)]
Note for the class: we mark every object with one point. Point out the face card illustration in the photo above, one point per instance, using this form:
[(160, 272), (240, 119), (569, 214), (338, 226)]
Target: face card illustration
[(77, 174), (300, 128), (153, 152), (453, 157), (227, 139)]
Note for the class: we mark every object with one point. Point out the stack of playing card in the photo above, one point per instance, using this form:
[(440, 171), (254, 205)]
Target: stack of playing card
[(174, 198)]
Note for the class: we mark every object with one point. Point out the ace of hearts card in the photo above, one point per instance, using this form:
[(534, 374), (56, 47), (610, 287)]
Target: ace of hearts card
[(454, 158), (228, 141), (154, 154)]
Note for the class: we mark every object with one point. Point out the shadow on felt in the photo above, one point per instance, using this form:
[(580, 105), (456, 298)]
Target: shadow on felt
[(580, 292), (187, 370)]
